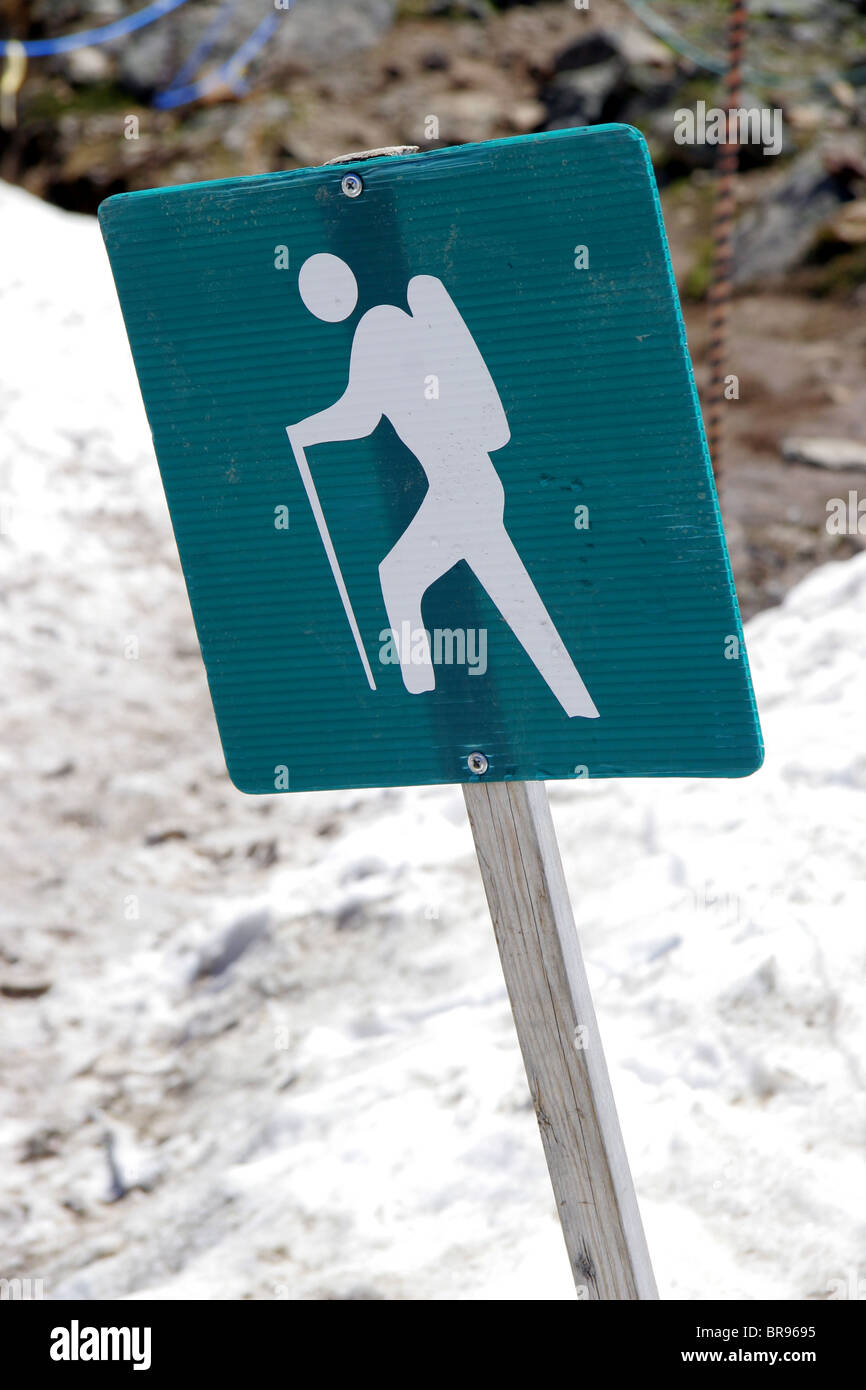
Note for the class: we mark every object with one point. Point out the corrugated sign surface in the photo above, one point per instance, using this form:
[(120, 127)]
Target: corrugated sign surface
[(435, 467)]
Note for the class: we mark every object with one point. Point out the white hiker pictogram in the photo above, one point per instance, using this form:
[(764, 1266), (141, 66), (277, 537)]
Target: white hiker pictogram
[(424, 373)]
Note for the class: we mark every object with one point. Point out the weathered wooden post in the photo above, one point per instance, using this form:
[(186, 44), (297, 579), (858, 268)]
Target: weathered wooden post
[(556, 1025)]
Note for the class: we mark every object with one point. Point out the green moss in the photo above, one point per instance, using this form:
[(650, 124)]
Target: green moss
[(419, 9), (43, 104), (97, 98), (704, 87), (697, 282), (51, 101)]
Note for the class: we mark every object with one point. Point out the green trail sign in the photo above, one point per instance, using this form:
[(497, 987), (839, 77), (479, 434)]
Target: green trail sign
[(432, 451)]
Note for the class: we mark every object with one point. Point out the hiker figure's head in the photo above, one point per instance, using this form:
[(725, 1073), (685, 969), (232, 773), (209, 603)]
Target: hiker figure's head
[(328, 287)]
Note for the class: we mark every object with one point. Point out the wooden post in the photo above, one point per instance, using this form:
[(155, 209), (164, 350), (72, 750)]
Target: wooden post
[(519, 858)]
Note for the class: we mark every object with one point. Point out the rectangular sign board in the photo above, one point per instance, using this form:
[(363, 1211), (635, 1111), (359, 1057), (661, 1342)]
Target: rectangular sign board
[(433, 455)]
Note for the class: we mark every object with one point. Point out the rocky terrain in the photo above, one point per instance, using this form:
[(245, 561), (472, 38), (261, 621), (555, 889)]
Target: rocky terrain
[(338, 75)]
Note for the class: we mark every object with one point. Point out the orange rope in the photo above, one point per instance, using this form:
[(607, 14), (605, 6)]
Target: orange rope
[(723, 239)]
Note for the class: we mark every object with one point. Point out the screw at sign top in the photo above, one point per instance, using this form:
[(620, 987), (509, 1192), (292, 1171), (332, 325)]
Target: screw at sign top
[(352, 185), (477, 763)]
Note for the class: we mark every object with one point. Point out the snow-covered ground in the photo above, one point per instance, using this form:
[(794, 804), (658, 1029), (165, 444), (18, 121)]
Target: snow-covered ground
[(340, 1110)]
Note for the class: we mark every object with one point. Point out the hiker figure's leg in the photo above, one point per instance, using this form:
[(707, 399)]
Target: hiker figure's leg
[(419, 558), (500, 570)]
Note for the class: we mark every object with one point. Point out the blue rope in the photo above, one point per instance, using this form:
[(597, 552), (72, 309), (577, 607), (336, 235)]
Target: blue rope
[(669, 35), (176, 95), (202, 49), (87, 38), (179, 91)]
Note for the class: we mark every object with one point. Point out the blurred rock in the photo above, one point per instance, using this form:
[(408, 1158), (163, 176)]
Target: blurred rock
[(319, 31), (608, 75), (86, 65), (595, 48), (584, 95), (472, 9), (467, 116), (150, 60), (633, 45), (849, 224), (777, 233), (826, 453), (807, 116)]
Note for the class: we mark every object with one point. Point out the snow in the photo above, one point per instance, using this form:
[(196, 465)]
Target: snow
[(284, 1017)]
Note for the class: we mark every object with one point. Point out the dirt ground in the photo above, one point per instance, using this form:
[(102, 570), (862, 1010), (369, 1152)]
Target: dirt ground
[(800, 364)]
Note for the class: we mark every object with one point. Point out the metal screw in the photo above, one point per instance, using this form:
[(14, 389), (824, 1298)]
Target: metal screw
[(352, 185), (477, 763)]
